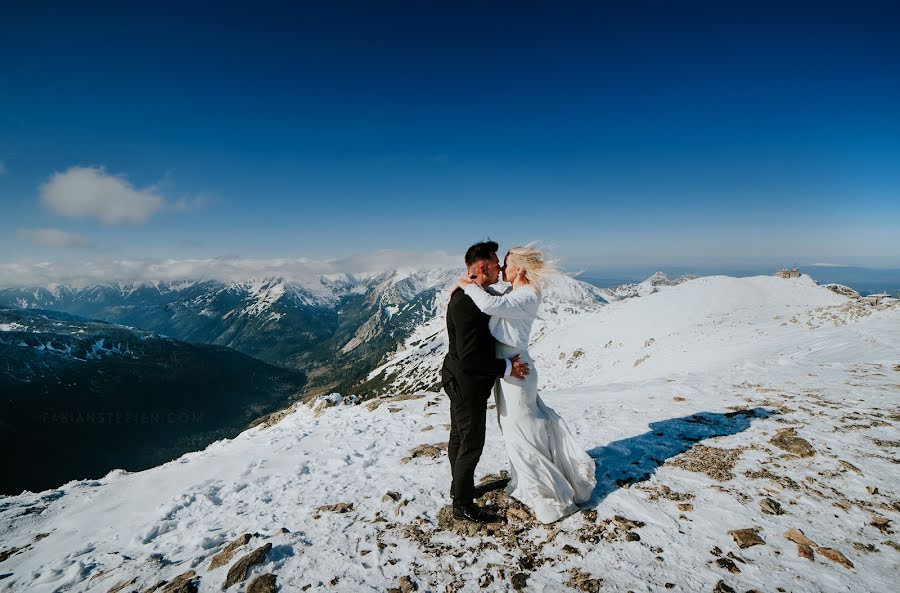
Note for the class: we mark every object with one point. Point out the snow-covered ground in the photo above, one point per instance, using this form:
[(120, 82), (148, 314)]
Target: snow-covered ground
[(716, 405)]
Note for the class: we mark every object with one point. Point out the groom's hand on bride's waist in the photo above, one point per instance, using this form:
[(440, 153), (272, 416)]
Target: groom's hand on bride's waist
[(516, 369)]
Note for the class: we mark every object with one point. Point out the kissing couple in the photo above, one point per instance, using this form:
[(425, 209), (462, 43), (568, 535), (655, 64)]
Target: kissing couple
[(488, 333)]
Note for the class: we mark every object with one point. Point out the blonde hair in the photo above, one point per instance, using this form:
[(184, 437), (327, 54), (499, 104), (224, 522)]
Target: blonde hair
[(538, 268)]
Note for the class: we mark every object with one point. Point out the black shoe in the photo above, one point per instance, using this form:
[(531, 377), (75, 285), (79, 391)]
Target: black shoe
[(473, 512)]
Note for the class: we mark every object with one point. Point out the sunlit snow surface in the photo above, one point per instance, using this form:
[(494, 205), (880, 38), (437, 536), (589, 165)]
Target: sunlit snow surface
[(654, 381)]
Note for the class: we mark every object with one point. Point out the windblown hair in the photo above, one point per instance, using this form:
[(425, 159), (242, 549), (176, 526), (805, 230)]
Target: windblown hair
[(538, 268), (481, 251)]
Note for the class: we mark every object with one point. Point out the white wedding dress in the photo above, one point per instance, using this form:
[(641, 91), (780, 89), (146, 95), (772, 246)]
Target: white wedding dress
[(550, 473)]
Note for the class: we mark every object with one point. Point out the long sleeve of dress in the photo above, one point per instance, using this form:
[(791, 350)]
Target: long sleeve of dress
[(516, 304)]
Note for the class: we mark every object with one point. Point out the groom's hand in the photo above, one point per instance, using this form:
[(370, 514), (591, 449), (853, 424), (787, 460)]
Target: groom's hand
[(519, 369)]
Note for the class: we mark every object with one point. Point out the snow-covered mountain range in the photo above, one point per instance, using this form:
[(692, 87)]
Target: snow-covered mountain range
[(336, 328), (744, 430)]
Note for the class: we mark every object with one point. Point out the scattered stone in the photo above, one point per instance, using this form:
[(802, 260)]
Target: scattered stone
[(882, 524), (485, 580), (716, 551), (7, 553), (427, 450), (627, 524), (183, 583), (787, 440), (338, 507), (892, 544), (583, 581), (427, 428), (721, 587), (589, 516), (519, 581), (796, 536), (714, 462), (631, 536), (872, 490), (806, 551), (153, 588), (264, 583), (861, 547), (569, 549), (770, 506), (745, 538), (391, 496), (407, 585), (119, 586), (685, 507), (678, 398), (728, 564), (238, 571), (39, 536), (284, 530), (835, 556), (224, 557)]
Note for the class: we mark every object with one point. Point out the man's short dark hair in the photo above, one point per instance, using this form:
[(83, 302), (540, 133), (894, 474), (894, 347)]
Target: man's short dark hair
[(481, 251)]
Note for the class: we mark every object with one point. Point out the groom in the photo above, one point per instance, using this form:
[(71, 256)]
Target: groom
[(468, 375)]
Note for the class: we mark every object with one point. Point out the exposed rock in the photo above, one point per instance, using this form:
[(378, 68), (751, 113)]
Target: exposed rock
[(796, 536), (882, 524), (787, 440), (835, 556), (805, 551), (728, 564), (154, 588), (264, 583), (632, 536), (714, 462), (872, 490), (119, 586), (338, 507), (519, 581), (39, 536), (427, 450), (770, 506), (391, 496), (7, 553), (570, 549), (583, 581), (238, 571), (407, 585), (685, 507), (184, 583), (224, 557), (722, 587), (745, 538)]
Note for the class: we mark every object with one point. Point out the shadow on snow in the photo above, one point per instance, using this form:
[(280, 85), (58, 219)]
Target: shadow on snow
[(634, 459)]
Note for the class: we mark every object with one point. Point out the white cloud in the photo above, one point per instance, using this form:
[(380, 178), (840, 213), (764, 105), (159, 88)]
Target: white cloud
[(53, 238), (91, 192), (227, 269), (828, 265)]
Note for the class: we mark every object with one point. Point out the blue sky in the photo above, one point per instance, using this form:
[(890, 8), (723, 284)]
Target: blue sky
[(621, 134)]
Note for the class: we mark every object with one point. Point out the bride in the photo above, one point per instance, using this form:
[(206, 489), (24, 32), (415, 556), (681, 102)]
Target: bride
[(550, 473)]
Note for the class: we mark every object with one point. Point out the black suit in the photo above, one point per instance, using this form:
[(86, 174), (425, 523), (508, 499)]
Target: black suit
[(468, 375)]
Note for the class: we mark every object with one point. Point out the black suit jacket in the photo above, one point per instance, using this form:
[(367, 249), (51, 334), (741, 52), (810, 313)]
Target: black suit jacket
[(471, 360)]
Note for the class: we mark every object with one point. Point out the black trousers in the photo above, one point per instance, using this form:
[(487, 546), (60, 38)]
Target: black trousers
[(468, 413)]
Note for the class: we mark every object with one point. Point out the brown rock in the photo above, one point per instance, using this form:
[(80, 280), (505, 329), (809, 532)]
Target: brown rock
[(722, 587), (685, 507), (796, 536), (119, 586), (238, 570), (430, 451), (787, 440), (519, 581), (224, 557), (728, 564), (745, 538), (184, 583), (882, 524), (391, 496), (583, 581), (770, 506), (153, 588), (835, 556), (407, 585), (569, 549), (338, 507), (264, 583), (805, 551)]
